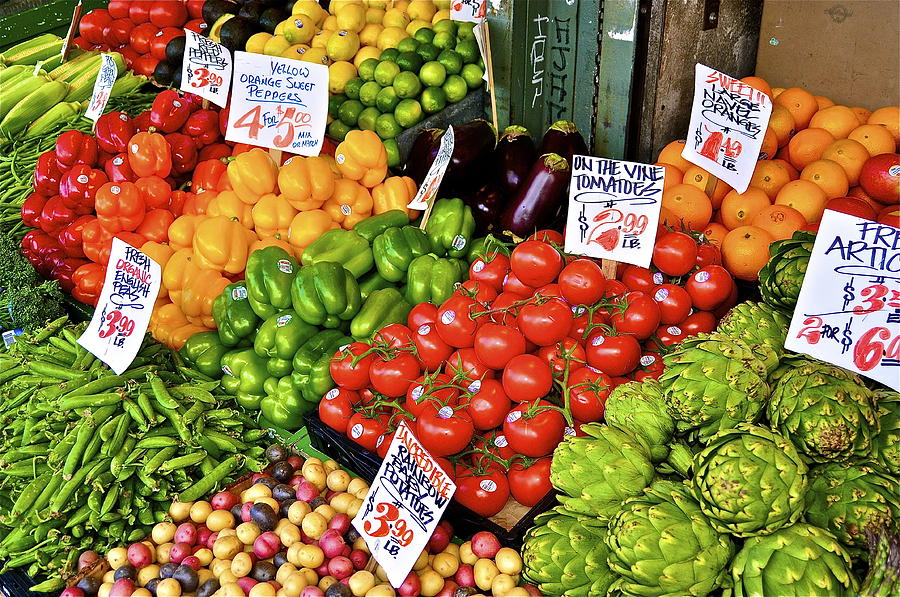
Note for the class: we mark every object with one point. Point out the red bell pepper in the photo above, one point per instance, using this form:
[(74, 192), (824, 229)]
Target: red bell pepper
[(184, 153), (74, 147), (169, 111), (32, 208), (38, 246), (94, 239), (178, 201), (156, 224), (154, 191), (79, 185), (214, 152), (62, 268), (88, 280), (118, 169), (71, 237), (203, 127), (149, 155), (119, 206), (113, 131), (47, 174), (223, 120), (207, 174), (141, 122), (55, 216)]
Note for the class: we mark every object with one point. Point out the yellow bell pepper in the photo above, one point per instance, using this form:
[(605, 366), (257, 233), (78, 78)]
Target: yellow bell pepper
[(361, 157), (306, 227), (306, 183), (228, 204), (198, 296), (252, 174), (160, 253), (350, 203), (272, 241), (221, 244), (394, 193), (180, 267), (273, 215), (181, 231)]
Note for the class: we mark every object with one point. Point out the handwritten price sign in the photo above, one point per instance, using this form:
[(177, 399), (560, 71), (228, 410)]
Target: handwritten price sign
[(106, 78), (613, 209), (123, 311), (432, 182), (408, 496), (278, 103), (206, 68), (848, 311), (472, 11), (728, 122)]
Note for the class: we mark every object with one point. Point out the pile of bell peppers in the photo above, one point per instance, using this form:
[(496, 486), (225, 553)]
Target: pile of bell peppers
[(279, 327)]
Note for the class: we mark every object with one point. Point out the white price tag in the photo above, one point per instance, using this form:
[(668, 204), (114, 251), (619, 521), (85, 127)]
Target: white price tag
[(470, 11), (206, 68), (432, 182), (106, 78)]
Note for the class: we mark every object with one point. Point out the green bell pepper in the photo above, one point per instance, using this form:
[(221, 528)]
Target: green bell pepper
[(376, 225), (383, 307), (245, 377), (396, 248), (284, 406), (312, 371), (279, 338), (325, 294), (270, 272), (372, 282), (450, 227), (346, 247), (234, 316), (433, 279), (204, 351)]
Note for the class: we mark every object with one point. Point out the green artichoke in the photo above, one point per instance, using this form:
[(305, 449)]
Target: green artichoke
[(825, 410), (565, 554), (639, 408), (749, 481), (713, 382), (756, 324), (796, 561), (596, 473), (780, 279), (848, 498), (886, 444), (662, 544)]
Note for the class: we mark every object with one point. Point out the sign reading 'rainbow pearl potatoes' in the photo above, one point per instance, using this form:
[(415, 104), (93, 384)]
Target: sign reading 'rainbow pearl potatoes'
[(848, 311), (278, 103)]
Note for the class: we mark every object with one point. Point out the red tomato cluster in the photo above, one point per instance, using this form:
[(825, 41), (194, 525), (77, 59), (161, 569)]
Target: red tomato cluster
[(524, 352), (140, 30)]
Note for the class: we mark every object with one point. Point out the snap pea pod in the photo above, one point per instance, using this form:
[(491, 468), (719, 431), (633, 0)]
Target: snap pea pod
[(134, 411), (210, 481), (109, 428), (92, 449), (29, 494), (110, 500), (79, 516), (193, 412), (143, 401), (43, 500), (69, 488), (115, 443), (198, 394), (73, 459), (115, 465), (157, 442), (160, 393), (94, 400), (183, 461), (109, 382)]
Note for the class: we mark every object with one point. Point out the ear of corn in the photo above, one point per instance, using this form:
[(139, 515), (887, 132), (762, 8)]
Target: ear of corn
[(90, 64), (82, 85), (31, 107), (11, 74), (42, 47), (73, 64), (127, 83), (53, 118), (12, 94)]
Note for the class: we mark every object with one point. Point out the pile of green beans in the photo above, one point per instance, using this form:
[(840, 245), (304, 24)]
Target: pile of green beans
[(90, 459)]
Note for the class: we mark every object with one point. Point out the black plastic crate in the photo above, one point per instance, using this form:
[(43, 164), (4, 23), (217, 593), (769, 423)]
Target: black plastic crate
[(366, 464), (16, 583)]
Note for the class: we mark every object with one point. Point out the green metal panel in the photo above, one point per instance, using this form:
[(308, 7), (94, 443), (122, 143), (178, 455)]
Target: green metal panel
[(617, 51), (52, 17)]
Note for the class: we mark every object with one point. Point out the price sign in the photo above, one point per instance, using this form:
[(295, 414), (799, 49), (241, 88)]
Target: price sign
[(129, 291), (471, 11), (106, 78), (206, 68), (613, 209), (848, 311), (73, 29), (408, 496), (728, 123), (432, 182), (278, 103)]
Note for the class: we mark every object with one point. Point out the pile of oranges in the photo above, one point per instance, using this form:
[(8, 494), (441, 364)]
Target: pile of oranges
[(815, 155)]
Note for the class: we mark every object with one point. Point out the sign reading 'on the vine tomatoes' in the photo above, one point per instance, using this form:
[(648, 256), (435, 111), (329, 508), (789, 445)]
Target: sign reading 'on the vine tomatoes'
[(848, 311), (123, 312), (278, 103), (408, 496)]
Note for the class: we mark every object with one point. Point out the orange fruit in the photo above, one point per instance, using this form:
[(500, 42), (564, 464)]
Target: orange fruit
[(804, 196), (781, 221), (800, 103), (738, 209), (776, 91), (769, 146), (769, 176), (671, 154), (862, 114), (807, 146), (760, 84), (888, 116), (685, 206), (850, 155), (790, 168), (672, 177), (715, 233), (784, 154), (877, 138), (829, 176), (698, 177), (745, 251), (782, 123), (823, 102), (837, 120)]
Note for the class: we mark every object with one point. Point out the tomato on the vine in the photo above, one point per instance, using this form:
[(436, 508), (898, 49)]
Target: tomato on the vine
[(674, 303), (496, 344), (512, 284), (670, 334), (675, 253), (530, 482), (588, 390), (482, 292), (698, 322), (455, 324), (535, 263), (491, 448), (614, 355), (484, 493), (392, 375), (395, 335), (638, 278), (490, 269), (430, 347), (709, 287), (336, 408), (487, 403), (545, 322), (421, 314), (582, 282), (585, 320), (345, 373), (639, 317), (505, 309), (568, 353), (708, 254), (526, 377), (366, 430), (444, 431), (434, 388), (614, 288), (534, 428), (548, 236), (651, 366), (464, 364)]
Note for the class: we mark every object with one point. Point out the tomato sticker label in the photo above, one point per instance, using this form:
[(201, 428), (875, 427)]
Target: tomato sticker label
[(598, 340), (239, 293), (474, 387), (446, 412), (343, 348), (285, 266), (674, 330), (578, 310), (500, 441), (424, 329), (514, 416), (478, 266), (417, 393), (488, 485), (379, 441), (568, 431), (448, 316), (658, 278), (701, 276), (356, 431), (115, 189), (118, 160), (283, 320), (648, 359), (661, 295), (332, 394)]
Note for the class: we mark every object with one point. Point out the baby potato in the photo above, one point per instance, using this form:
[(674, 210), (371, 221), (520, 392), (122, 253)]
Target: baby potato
[(508, 561), (338, 480), (485, 571)]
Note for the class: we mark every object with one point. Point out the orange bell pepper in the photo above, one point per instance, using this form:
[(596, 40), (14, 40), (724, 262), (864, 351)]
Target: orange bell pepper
[(160, 253), (350, 203), (198, 295), (207, 174), (154, 191), (156, 225), (221, 244), (88, 280), (95, 239), (306, 227), (196, 204), (252, 175), (394, 193), (119, 206), (306, 183), (180, 268), (272, 241), (361, 156), (272, 216), (181, 231), (228, 204), (149, 155)]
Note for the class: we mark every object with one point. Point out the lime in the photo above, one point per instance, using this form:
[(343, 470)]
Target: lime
[(433, 74), (408, 113), (386, 126), (444, 40), (455, 87), (387, 100), (434, 99), (386, 72), (424, 35), (349, 112), (334, 102), (451, 60), (408, 45), (468, 49), (445, 26), (393, 152), (367, 69), (428, 52), (351, 89), (473, 75), (409, 61), (367, 118), (390, 54), (338, 130), (407, 85), (465, 31), (368, 92)]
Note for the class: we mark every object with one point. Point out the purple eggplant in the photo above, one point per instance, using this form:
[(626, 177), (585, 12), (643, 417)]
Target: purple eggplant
[(487, 205), (514, 156), (473, 145), (563, 138), (539, 197), (422, 153)]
